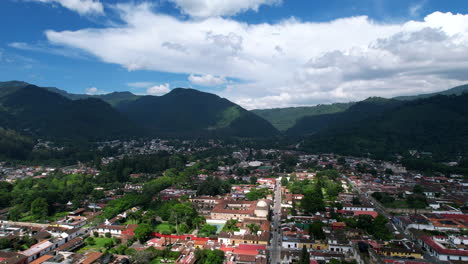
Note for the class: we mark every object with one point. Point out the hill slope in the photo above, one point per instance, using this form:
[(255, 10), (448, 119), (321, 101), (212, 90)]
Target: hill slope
[(359, 111), (459, 90), (40, 112), (437, 124), (188, 112), (285, 118)]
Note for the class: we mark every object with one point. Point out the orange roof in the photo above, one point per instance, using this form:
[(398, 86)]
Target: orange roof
[(91, 258), (42, 259)]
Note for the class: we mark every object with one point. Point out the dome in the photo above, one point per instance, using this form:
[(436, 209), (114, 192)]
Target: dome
[(262, 204)]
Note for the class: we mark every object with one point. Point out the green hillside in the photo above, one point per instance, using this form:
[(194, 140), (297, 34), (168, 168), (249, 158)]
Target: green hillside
[(454, 91), (370, 107), (285, 118), (438, 124), (188, 112), (39, 112)]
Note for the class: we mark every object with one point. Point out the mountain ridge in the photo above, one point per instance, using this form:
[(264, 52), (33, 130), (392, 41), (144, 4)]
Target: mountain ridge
[(181, 112)]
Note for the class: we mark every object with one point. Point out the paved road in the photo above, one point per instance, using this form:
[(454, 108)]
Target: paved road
[(275, 247)]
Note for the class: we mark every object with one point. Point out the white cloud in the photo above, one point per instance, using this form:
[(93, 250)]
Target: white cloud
[(415, 9), (158, 89), (289, 63), (140, 84), (206, 80), (93, 91), (211, 8), (83, 7)]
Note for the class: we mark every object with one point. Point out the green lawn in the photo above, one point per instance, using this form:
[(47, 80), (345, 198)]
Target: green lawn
[(100, 241), (164, 227)]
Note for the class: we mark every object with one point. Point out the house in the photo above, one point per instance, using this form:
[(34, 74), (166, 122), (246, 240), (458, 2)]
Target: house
[(92, 257), (446, 248), (237, 239), (114, 230), (240, 210), (38, 250)]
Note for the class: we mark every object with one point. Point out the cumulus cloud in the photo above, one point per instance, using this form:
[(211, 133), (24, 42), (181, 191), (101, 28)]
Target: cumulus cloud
[(206, 80), (83, 7), (289, 63), (158, 89), (93, 91), (210, 8)]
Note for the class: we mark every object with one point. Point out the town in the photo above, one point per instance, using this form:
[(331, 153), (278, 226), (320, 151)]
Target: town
[(192, 202)]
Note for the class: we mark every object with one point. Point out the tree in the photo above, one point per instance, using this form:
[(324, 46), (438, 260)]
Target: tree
[(284, 181), (108, 235), (418, 189), (305, 256), (253, 180), (207, 256), (231, 226), (207, 230), (90, 241), (143, 232), (198, 221), (316, 231), (40, 208), (181, 213), (379, 229), (254, 228)]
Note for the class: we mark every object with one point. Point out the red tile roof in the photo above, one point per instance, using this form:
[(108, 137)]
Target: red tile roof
[(442, 250)]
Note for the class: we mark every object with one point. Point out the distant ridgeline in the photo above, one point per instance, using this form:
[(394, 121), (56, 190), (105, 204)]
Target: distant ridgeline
[(56, 114), (435, 123)]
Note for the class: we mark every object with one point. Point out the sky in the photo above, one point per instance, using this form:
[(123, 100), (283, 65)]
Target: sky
[(257, 53)]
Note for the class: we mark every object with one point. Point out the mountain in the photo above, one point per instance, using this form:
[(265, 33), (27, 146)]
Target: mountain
[(285, 118), (54, 113), (437, 124), (114, 98), (14, 145), (358, 111), (39, 112), (188, 112), (454, 91)]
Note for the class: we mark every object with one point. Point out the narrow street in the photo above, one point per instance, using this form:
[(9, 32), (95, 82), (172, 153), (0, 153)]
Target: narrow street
[(275, 247)]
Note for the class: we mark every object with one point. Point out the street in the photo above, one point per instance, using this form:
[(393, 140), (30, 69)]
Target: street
[(275, 247)]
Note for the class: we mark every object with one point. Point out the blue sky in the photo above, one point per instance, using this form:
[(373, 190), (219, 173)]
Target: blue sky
[(223, 48)]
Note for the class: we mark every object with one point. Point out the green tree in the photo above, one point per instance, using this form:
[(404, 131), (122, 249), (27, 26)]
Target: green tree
[(40, 208), (207, 256), (305, 256), (316, 231), (231, 226), (253, 180), (143, 232), (253, 228), (284, 181), (90, 241), (207, 230)]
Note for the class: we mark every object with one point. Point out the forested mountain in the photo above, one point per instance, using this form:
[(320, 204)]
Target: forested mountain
[(188, 112), (285, 118), (438, 124), (114, 98), (454, 91), (36, 111), (357, 112), (54, 113)]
